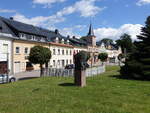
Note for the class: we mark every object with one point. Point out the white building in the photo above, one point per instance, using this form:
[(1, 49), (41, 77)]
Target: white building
[(62, 55), (112, 52), (5, 53)]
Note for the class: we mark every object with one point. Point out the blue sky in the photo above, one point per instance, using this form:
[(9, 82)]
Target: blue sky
[(110, 18)]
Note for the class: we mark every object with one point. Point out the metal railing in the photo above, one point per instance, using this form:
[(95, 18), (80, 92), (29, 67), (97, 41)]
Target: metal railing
[(59, 72)]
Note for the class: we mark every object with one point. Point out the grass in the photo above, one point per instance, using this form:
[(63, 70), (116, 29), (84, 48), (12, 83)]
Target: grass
[(103, 94)]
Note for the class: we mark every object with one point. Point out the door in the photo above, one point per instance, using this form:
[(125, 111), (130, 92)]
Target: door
[(17, 67), (3, 67)]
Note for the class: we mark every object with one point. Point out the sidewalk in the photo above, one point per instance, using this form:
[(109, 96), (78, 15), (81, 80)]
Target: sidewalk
[(27, 75)]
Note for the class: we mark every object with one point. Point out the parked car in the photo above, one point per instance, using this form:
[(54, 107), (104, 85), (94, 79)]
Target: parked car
[(70, 66), (4, 78)]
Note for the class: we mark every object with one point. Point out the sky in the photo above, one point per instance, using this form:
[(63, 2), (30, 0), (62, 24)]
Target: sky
[(110, 18)]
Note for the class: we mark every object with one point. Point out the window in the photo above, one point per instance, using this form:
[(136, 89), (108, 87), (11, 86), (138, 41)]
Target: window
[(66, 52), (5, 48), (22, 35), (70, 61), (70, 52), (63, 52), (58, 51), (62, 41), (58, 62), (1, 28), (26, 50), (63, 62), (17, 50), (38, 38), (54, 52), (57, 40), (66, 62), (54, 63)]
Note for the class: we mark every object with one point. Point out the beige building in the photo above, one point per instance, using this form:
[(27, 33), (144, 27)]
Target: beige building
[(21, 50)]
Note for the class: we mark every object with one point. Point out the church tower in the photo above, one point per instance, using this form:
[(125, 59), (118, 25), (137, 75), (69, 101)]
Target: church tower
[(91, 38)]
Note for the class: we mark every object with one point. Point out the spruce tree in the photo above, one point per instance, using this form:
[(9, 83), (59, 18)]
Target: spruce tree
[(137, 65)]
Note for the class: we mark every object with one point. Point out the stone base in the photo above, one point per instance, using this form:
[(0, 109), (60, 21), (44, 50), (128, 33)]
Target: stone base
[(80, 78)]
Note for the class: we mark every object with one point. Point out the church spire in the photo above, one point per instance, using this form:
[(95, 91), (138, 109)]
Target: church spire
[(91, 31)]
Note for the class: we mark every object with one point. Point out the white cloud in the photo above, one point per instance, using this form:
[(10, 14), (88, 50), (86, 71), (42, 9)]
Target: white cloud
[(71, 30), (47, 3), (7, 11), (115, 33), (39, 20), (86, 8), (143, 2)]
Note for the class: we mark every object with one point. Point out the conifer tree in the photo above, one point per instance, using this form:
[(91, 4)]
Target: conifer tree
[(138, 63)]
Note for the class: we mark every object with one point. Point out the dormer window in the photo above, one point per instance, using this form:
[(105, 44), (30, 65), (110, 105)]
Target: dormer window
[(68, 41), (22, 35), (43, 39), (62, 41), (32, 37), (57, 40), (38, 38)]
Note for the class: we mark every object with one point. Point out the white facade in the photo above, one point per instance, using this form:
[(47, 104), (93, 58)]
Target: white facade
[(61, 56), (112, 53), (6, 50), (78, 49)]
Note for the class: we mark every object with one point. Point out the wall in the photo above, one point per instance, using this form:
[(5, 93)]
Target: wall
[(3, 56), (20, 59), (57, 57)]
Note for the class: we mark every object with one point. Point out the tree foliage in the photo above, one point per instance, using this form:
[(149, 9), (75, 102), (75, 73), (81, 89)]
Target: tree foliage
[(138, 63), (107, 40), (121, 56), (103, 56), (125, 42), (39, 55)]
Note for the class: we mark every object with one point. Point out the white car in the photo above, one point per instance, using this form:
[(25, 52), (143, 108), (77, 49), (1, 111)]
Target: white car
[(5, 79)]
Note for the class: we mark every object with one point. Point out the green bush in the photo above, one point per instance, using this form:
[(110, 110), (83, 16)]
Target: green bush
[(103, 56)]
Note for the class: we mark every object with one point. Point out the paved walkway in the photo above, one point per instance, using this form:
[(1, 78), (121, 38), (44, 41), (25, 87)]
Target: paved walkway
[(27, 75)]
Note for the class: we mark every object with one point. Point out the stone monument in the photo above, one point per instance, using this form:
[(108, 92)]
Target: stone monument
[(80, 60)]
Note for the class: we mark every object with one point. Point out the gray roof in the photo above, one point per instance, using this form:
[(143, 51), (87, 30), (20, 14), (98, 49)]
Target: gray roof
[(77, 42), (22, 27), (13, 27), (5, 29), (17, 27)]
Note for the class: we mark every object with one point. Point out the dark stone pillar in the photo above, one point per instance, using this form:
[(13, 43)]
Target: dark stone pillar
[(80, 78)]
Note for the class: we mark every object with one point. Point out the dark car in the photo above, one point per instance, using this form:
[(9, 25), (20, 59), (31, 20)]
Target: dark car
[(87, 65), (70, 66)]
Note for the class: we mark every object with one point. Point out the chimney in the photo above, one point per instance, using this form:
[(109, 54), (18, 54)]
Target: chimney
[(11, 18), (56, 31), (68, 36), (74, 37)]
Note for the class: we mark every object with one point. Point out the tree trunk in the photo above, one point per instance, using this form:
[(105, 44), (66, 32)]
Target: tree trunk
[(41, 68), (102, 63), (46, 68)]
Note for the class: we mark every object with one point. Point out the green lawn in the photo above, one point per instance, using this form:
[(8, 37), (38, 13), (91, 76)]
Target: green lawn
[(103, 94)]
